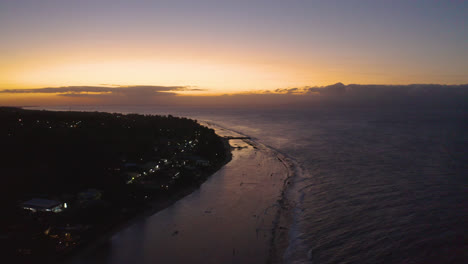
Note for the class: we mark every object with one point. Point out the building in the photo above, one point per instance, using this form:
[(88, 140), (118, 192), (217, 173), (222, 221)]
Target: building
[(43, 205)]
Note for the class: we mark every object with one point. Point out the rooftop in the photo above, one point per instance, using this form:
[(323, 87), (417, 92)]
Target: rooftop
[(41, 203)]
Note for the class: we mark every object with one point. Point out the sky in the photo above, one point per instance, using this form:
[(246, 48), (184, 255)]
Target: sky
[(226, 47)]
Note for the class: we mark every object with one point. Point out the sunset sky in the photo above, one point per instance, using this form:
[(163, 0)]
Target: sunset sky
[(225, 47)]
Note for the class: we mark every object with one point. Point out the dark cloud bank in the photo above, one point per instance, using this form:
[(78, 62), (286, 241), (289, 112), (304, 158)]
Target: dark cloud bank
[(336, 94), (354, 95), (140, 90), (137, 94)]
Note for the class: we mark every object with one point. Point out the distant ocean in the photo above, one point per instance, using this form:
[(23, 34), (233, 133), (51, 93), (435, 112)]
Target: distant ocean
[(376, 185)]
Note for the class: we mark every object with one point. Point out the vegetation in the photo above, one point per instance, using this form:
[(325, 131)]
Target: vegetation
[(127, 160)]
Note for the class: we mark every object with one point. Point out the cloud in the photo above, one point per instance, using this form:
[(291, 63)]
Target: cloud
[(307, 96), (128, 90), (135, 94), (289, 91), (357, 95), (334, 89), (340, 90)]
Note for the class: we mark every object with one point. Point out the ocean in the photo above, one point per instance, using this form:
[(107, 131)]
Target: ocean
[(373, 185)]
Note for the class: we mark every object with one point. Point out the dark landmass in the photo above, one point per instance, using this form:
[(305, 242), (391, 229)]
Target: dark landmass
[(103, 169)]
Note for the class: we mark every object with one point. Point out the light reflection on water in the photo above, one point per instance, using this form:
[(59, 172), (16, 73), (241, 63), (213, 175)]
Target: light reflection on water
[(228, 220), (378, 187), (386, 186)]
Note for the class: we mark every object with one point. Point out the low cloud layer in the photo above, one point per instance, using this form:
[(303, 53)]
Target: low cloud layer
[(125, 90), (352, 94), (109, 95), (353, 90), (359, 95)]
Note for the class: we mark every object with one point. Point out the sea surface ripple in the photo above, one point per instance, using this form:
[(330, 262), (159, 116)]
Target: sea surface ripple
[(377, 186)]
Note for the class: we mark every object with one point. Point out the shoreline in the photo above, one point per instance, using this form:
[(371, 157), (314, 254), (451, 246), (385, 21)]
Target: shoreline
[(282, 216), (282, 219), (153, 208)]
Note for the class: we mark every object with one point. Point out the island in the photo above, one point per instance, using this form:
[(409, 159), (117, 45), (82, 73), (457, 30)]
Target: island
[(69, 178)]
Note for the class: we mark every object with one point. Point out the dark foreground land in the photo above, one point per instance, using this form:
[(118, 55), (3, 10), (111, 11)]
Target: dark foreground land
[(102, 168)]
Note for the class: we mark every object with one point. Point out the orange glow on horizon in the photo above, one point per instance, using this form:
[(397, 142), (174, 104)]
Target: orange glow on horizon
[(222, 71), (227, 47)]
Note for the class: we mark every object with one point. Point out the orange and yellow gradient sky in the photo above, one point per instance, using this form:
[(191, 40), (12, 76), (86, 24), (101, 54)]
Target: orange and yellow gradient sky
[(227, 47)]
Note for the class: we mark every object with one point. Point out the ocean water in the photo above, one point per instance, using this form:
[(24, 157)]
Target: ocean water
[(373, 185)]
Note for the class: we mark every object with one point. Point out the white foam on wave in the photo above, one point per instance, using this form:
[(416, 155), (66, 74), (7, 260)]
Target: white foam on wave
[(297, 252)]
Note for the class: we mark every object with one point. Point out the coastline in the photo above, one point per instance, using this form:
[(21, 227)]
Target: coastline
[(279, 241), (280, 219), (283, 219), (153, 207), (280, 210)]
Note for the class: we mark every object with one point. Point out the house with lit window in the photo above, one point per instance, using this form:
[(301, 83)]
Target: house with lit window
[(43, 205)]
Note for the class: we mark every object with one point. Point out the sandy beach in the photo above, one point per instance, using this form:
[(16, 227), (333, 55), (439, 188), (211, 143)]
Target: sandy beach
[(234, 217)]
